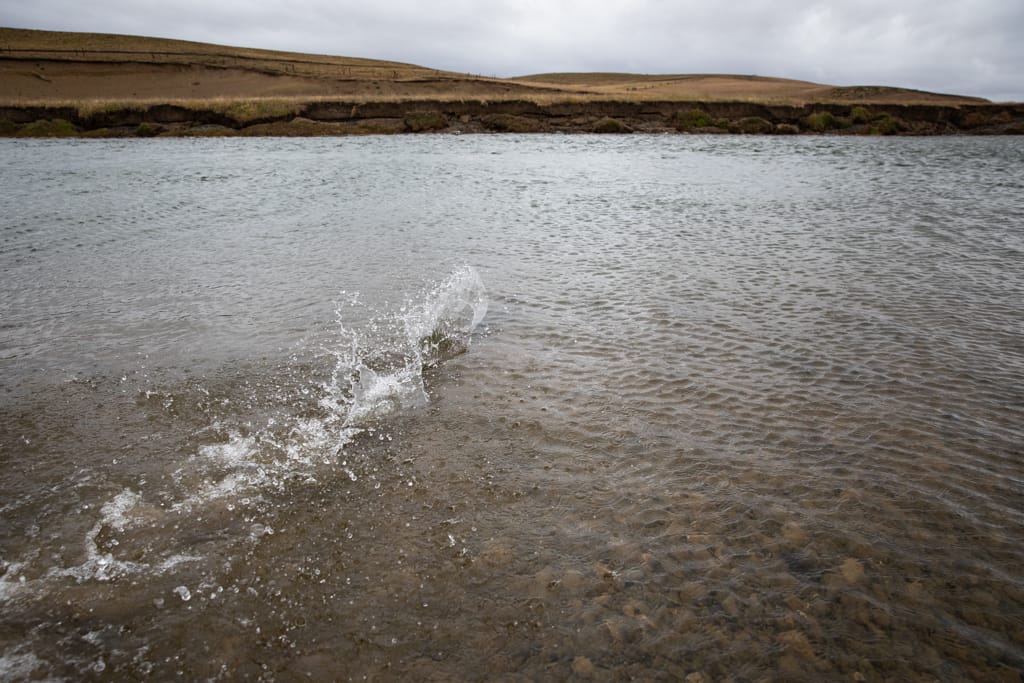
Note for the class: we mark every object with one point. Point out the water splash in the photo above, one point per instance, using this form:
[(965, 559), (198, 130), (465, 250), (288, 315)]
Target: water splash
[(376, 394), (426, 333), (441, 327), (379, 355), (298, 427)]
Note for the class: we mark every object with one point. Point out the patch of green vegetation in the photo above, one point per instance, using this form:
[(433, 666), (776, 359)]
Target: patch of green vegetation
[(610, 125), (46, 128), (509, 123), (147, 130), (8, 127), (694, 118), (420, 121), (820, 121), (887, 125), (823, 121), (860, 115), (752, 125)]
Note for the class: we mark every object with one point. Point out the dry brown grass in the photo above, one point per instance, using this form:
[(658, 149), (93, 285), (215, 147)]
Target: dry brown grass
[(95, 71), (88, 47), (723, 87)]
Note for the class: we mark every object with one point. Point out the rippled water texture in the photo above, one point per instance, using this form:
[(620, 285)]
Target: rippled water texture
[(512, 408)]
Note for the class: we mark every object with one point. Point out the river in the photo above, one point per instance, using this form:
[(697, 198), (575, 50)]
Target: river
[(702, 408)]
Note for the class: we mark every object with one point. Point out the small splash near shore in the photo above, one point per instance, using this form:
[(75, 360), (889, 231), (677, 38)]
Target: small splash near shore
[(378, 357), (248, 441), (379, 369)]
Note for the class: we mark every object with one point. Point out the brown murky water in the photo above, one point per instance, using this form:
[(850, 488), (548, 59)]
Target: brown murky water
[(512, 408)]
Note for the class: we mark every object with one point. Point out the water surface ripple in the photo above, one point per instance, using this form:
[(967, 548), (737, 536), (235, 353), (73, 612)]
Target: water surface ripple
[(512, 408)]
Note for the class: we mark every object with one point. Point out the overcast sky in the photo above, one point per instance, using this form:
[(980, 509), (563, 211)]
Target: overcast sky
[(968, 47)]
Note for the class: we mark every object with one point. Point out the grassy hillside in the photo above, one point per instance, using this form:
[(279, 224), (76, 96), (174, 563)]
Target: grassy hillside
[(46, 66), (40, 67), (733, 87)]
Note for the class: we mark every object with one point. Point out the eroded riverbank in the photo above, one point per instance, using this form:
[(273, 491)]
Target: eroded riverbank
[(340, 117)]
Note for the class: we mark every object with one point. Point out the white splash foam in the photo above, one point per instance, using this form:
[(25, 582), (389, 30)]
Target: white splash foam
[(237, 451), (103, 566), (12, 583), (114, 512), (375, 395), (23, 666), (445, 320), (438, 326), (98, 565), (233, 484)]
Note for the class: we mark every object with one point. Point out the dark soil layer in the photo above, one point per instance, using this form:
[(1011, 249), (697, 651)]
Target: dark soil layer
[(517, 116)]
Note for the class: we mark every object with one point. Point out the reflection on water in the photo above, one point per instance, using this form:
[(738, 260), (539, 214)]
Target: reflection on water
[(698, 409)]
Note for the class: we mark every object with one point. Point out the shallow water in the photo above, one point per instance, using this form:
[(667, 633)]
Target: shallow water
[(512, 408)]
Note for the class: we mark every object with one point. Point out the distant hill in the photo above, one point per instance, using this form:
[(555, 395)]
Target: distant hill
[(736, 87), (47, 66)]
